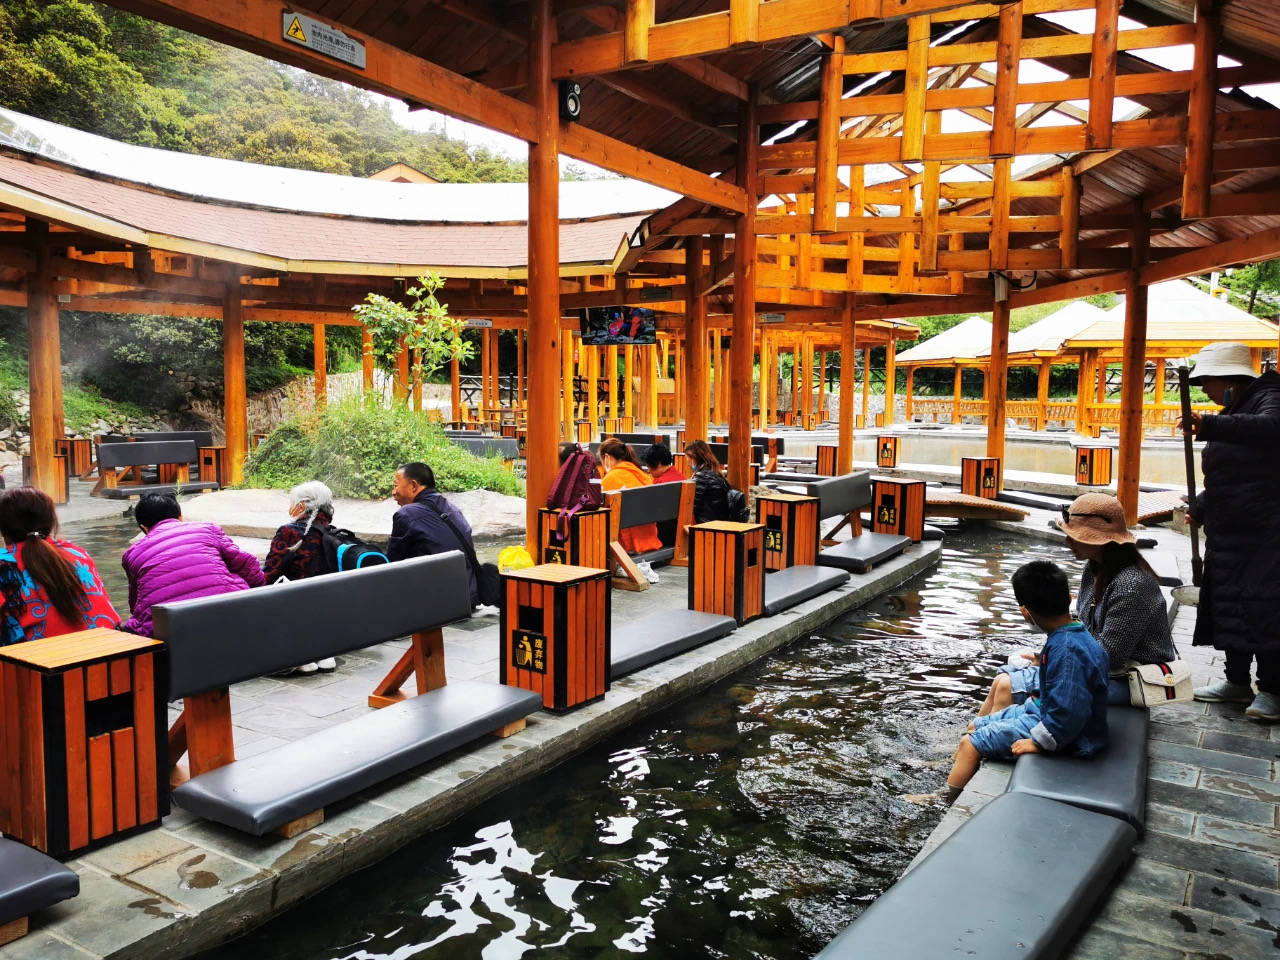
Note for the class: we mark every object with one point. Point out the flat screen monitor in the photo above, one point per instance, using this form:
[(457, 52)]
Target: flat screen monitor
[(606, 326)]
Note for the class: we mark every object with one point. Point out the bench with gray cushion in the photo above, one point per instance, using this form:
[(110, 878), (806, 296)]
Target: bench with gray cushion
[(113, 457), (1024, 498), (637, 644), (721, 452), (31, 881), (785, 588), (1113, 782), (840, 497), (638, 440), (1164, 564), (507, 448), (657, 503), (214, 642), (1014, 882)]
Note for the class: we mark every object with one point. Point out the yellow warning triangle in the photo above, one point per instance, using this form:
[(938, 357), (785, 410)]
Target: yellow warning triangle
[(295, 31)]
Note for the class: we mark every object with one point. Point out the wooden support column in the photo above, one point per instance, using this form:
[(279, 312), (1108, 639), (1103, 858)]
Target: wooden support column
[(930, 196), (1069, 237), (1102, 75), (848, 385), (400, 388), (821, 403), (890, 378), (635, 30), (763, 422), (545, 333), (488, 392), (998, 379), (826, 180), (455, 389), (866, 387), (628, 382), (643, 367), (955, 401), (908, 398), (1005, 103), (366, 361), (999, 241), (916, 84), (567, 425), (744, 288), (679, 374), (1198, 175), (1084, 389), (1158, 389), (415, 358), (44, 364), (593, 387), (520, 370), (651, 372), (1042, 392), (1134, 370), (614, 412), (235, 411), (318, 362)]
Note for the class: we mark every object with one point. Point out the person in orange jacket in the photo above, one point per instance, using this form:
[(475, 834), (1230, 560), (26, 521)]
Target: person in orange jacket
[(621, 471)]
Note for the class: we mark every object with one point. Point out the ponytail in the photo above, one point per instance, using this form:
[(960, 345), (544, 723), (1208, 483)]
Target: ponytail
[(27, 517)]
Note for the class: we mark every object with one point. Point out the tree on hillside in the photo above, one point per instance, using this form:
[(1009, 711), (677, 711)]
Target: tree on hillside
[(1247, 282)]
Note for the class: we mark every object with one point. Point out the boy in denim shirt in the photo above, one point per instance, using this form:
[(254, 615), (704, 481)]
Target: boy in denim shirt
[(1070, 715)]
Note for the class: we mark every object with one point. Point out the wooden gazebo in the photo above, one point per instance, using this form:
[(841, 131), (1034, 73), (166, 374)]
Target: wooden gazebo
[(822, 137)]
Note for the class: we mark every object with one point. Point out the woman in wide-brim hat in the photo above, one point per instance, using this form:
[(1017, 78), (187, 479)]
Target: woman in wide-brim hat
[(1119, 601), (1241, 517)]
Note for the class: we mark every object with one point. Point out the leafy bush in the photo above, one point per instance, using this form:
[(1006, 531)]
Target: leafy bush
[(355, 447)]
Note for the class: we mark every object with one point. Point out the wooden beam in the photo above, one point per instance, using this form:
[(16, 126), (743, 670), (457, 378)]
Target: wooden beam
[(1102, 74), (1133, 371), (720, 32), (1248, 249), (547, 340), (826, 179), (235, 410), (916, 82), (635, 34), (695, 353), (1008, 59), (1196, 180), (744, 307)]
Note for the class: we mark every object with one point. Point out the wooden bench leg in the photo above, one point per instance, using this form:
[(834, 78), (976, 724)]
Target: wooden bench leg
[(632, 578), (210, 743), (512, 728), (301, 825), (424, 659), (12, 930)]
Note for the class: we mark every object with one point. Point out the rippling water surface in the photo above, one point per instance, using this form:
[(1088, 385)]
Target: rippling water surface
[(753, 820)]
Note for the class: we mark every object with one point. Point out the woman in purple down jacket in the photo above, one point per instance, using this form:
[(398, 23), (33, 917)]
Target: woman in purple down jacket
[(180, 561)]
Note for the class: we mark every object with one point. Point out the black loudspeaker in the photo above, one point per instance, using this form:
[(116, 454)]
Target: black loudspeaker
[(570, 100)]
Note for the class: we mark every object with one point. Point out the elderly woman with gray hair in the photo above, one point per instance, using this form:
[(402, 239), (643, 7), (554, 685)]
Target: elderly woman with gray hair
[(297, 549)]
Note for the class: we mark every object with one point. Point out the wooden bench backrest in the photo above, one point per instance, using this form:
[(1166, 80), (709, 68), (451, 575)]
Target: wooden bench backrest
[(112, 455), (721, 452), (217, 641), (841, 496)]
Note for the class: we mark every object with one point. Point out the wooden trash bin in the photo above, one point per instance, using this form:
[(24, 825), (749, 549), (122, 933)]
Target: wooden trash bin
[(61, 477), (79, 454), (897, 506), (554, 628), (584, 431), (790, 529), (826, 460), (213, 465), (1093, 465), (586, 541), (887, 451), (879, 419), (82, 725), (980, 477), (726, 569)]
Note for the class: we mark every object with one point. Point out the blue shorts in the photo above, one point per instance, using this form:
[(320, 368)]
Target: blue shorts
[(1024, 680), (994, 735)]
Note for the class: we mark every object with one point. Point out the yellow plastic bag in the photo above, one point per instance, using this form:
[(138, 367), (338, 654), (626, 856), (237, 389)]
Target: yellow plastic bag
[(513, 558)]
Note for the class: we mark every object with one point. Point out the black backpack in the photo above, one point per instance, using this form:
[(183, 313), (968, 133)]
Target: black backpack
[(341, 550), (739, 512)]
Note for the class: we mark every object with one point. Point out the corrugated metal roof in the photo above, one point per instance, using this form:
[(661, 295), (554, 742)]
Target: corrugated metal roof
[(305, 191), (965, 341)]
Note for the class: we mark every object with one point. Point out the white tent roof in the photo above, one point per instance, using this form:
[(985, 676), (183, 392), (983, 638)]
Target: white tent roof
[(965, 341), (1048, 334), (1177, 310), (305, 191)]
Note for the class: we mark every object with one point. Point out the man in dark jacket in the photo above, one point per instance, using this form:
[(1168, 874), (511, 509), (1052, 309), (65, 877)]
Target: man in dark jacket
[(419, 527), (1241, 584)]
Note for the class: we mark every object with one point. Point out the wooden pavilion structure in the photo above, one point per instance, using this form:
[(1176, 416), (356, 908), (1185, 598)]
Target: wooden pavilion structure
[(957, 347), (870, 159)]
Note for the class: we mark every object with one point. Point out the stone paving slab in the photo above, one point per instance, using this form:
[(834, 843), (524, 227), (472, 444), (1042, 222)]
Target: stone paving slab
[(191, 884)]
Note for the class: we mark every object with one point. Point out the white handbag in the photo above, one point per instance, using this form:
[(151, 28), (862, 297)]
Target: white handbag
[(1151, 684)]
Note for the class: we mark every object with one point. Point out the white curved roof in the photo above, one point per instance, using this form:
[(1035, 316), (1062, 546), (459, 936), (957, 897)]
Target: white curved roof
[(1048, 334), (965, 341), (305, 191)]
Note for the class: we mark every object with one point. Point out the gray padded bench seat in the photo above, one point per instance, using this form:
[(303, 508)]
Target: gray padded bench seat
[(637, 644), (1164, 564), (863, 552), (116, 456), (786, 588), (1024, 498), (31, 881), (1113, 782), (270, 789), (1015, 882)]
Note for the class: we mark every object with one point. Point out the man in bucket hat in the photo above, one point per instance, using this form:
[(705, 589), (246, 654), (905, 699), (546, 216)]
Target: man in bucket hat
[(1240, 512)]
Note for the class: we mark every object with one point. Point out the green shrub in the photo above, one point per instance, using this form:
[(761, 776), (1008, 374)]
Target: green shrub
[(355, 446)]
